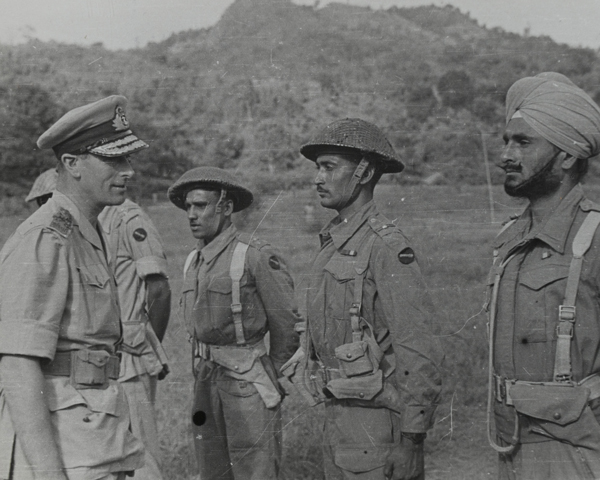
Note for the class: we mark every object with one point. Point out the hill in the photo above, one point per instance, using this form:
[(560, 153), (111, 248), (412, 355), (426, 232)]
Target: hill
[(246, 93)]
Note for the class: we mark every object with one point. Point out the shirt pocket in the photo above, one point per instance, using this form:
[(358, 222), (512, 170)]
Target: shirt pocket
[(340, 294), (101, 315), (219, 301), (543, 290)]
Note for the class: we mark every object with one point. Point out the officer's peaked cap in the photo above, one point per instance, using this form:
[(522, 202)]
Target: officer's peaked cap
[(355, 136), (214, 178), (100, 128)]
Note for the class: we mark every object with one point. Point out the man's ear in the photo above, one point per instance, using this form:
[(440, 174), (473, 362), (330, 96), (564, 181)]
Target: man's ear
[(568, 161), (368, 174), (72, 164), (227, 207)]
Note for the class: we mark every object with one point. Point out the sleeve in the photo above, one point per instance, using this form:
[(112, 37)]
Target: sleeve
[(145, 246), (276, 290), (34, 285), (407, 310)]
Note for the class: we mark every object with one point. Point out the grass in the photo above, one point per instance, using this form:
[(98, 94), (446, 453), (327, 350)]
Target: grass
[(451, 231)]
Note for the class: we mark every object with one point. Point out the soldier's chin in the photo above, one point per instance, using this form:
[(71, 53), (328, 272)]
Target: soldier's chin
[(518, 190)]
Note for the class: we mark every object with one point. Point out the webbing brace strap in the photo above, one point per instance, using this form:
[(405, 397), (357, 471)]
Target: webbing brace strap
[(236, 271), (566, 311), (499, 270), (360, 267), (188, 262)]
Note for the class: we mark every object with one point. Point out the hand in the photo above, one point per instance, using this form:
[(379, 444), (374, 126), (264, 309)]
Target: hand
[(406, 462)]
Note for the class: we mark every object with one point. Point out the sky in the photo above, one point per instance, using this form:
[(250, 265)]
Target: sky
[(123, 24)]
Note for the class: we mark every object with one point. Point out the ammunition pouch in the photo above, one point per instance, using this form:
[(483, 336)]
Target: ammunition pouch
[(364, 387), (354, 359), (559, 411), (86, 368), (246, 363)]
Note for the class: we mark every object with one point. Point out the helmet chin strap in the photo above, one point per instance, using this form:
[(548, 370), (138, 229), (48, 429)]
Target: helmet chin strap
[(354, 181), (221, 200), (218, 209)]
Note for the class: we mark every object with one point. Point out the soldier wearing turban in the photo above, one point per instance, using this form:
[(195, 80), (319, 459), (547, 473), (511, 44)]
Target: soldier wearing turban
[(544, 387)]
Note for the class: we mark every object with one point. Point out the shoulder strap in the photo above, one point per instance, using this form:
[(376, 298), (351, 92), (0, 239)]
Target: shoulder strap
[(566, 311), (236, 271), (360, 267)]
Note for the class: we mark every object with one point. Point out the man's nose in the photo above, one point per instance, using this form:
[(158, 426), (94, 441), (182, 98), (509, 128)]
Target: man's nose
[(320, 178)]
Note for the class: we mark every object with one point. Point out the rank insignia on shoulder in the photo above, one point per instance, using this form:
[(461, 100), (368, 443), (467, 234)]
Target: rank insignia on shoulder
[(274, 263), (406, 256), (139, 234), (62, 222)]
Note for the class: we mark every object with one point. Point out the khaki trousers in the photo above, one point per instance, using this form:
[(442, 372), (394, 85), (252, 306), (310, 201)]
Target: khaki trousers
[(141, 395), (241, 437), (357, 440)]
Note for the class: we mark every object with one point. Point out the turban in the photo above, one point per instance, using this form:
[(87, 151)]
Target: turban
[(559, 111)]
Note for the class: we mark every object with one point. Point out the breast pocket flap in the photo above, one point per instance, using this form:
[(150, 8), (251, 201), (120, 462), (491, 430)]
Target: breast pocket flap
[(342, 268), (220, 285), (94, 276), (538, 278)]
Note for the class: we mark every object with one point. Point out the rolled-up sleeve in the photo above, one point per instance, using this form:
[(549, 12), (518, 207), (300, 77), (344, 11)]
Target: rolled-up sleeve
[(34, 283), (144, 244), (407, 310)]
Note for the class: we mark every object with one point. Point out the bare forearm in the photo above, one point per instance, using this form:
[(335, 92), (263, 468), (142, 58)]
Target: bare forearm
[(158, 295), (22, 382)]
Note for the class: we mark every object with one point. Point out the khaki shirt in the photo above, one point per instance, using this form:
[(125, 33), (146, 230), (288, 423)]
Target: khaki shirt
[(266, 290), (531, 289), (136, 252), (56, 294), (394, 298)]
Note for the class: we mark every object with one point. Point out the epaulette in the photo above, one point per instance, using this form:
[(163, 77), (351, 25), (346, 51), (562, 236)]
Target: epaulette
[(588, 205), (62, 222), (384, 228), (252, 241), (129, 213)]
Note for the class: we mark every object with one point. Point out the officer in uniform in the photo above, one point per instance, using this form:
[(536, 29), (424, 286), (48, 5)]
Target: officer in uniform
[(63, 415), (369, 352), (236, 290), (544, 308), (43, 187), (138, 261)]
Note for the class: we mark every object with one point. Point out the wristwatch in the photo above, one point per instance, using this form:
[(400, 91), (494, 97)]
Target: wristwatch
[(416, 438)]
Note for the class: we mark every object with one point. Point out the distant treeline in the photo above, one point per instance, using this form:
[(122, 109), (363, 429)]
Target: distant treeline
[(246, 93)]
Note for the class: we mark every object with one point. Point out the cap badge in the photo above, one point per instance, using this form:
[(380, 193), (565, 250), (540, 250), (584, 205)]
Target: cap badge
[(120, 121)]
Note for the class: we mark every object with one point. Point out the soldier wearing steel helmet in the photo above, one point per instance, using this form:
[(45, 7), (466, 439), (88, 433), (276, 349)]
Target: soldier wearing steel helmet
[(369, 352), (43, 187), (236, 290)]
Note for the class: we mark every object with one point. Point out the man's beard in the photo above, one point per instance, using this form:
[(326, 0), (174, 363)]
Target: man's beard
[(539, 184)]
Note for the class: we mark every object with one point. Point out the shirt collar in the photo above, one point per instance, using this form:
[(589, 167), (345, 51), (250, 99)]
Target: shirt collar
[(219, 243), (554, 231), (341, 230), (85, 227)]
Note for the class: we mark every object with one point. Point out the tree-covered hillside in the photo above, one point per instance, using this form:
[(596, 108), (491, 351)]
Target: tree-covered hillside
[(246, 93)]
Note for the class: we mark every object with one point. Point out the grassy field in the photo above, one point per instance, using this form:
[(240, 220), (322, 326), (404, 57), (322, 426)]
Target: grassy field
[(451, 231)]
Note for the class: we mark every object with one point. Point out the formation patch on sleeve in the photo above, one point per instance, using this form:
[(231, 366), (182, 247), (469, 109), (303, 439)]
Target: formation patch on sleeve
[(406, 256), (274, 262), (139, 234), (62, 222)]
